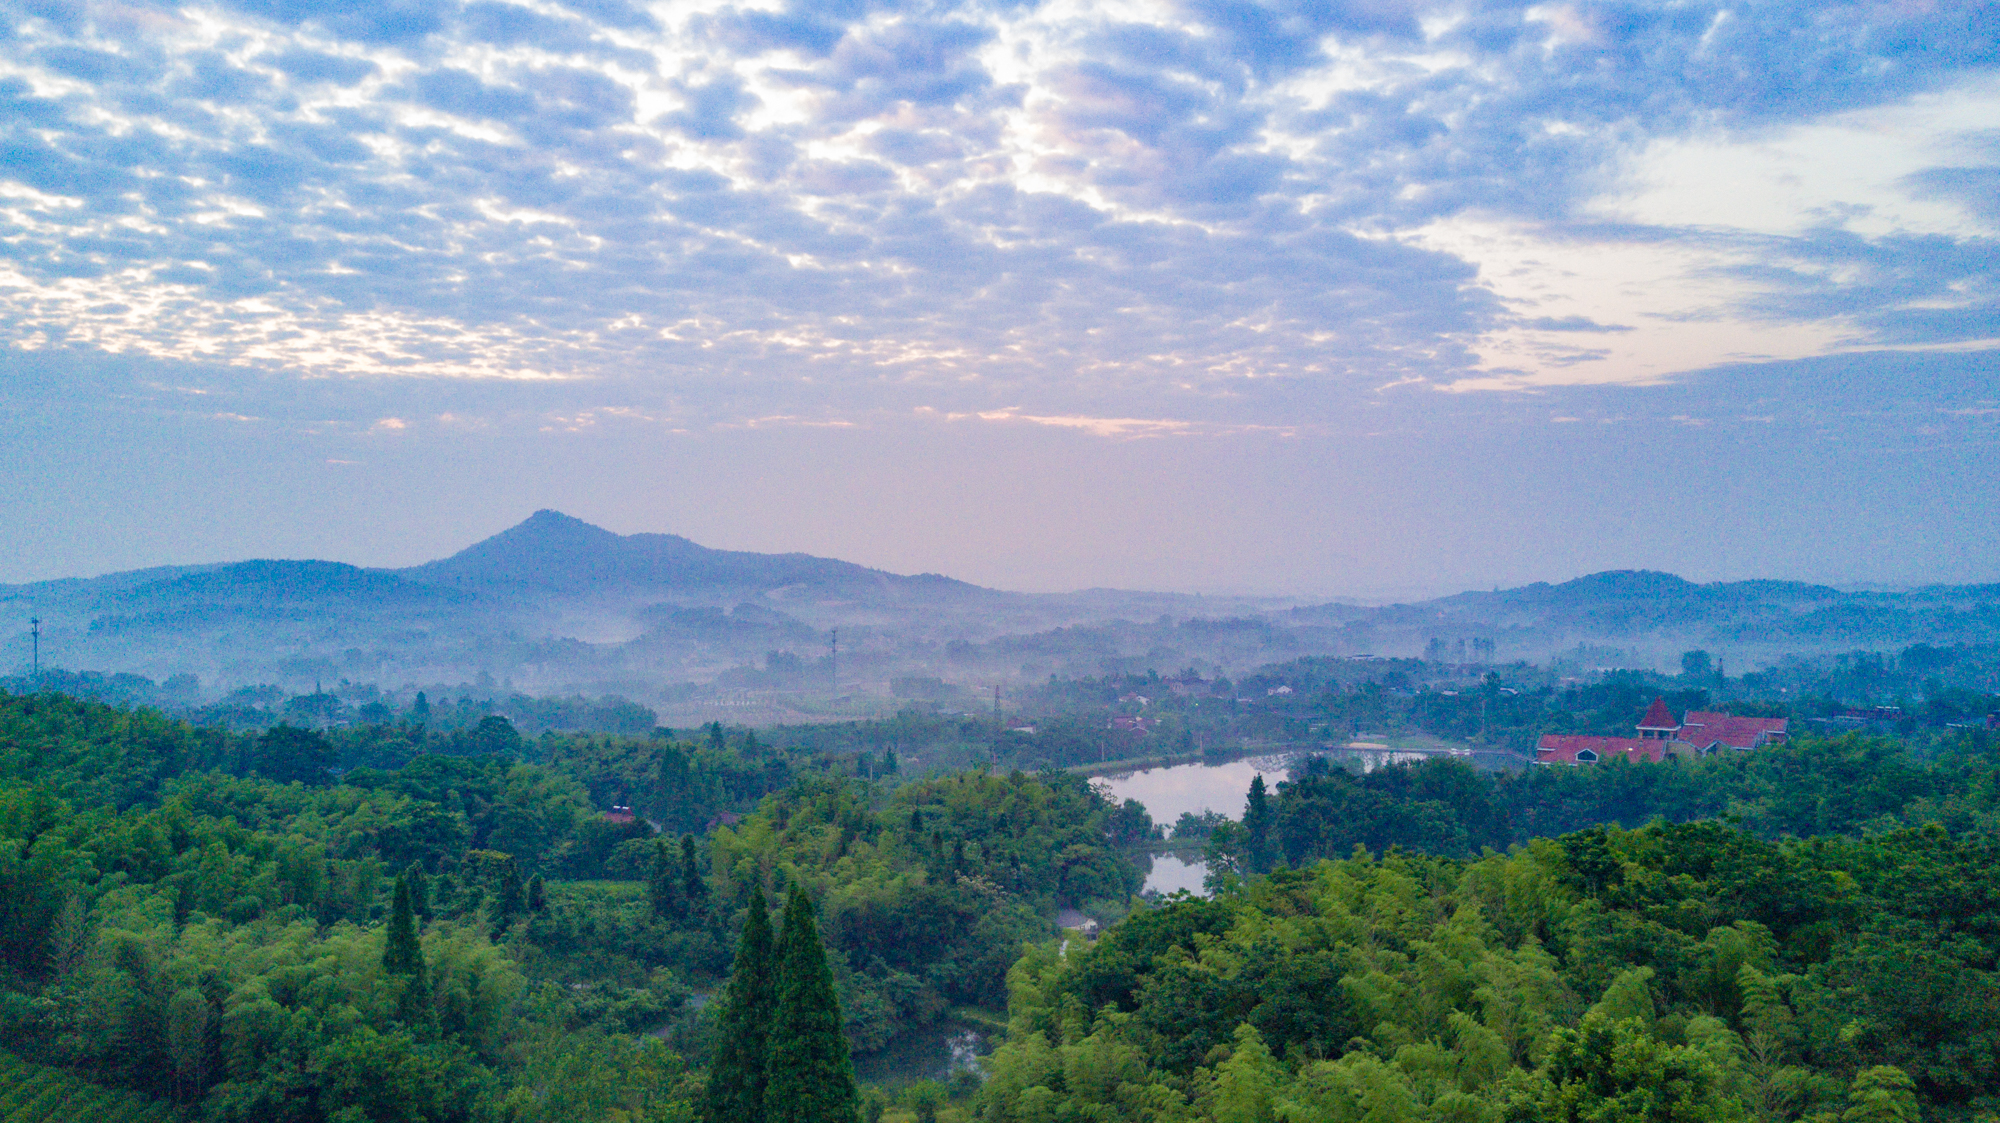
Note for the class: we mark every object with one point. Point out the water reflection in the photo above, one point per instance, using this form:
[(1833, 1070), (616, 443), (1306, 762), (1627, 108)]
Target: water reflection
[(1193, 788), (1198, 786), (1171, 873), (938, 1051)]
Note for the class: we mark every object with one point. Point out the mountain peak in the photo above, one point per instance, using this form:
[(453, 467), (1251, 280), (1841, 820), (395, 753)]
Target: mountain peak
[(548, 521), (556, 552)]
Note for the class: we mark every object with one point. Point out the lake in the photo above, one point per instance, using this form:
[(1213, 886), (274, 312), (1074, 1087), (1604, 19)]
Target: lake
[(1198, 786)]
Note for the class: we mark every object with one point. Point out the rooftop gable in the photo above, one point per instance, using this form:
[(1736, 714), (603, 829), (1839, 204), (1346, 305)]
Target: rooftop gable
[(1658, 716)]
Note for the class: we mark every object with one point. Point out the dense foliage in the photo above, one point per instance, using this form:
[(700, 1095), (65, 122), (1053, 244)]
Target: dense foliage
[(928, 891), (1689, 972), (1812, 786), (31, 1093), (233, 923), (219, 921)]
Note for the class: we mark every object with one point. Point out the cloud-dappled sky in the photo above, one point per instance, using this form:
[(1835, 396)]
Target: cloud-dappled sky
[(1228, 295)]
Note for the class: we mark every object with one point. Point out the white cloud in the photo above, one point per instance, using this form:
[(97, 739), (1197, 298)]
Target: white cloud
[(1077, 215)]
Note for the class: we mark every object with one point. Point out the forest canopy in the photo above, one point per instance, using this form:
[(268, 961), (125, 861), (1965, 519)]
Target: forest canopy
[(1688, 972)]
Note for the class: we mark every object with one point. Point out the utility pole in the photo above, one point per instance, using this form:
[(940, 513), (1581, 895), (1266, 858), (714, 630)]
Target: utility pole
[(35, 630), (833, 661)]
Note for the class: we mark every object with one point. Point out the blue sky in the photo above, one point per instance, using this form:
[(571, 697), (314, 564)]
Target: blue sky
[(1369, 297)]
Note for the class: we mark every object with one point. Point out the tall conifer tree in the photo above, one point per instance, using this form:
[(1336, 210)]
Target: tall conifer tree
[(737, 1076), (812, 1080), (401, 954), (1257, 828), (420, 892), (691, 882), (403, 958)]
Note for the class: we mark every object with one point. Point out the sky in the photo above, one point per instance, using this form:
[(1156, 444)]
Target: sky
[(1368, 298)]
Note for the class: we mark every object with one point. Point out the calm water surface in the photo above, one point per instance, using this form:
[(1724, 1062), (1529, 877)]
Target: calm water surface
[(1193, 788), (1190, 789), (937, 1051), (1171, 873)]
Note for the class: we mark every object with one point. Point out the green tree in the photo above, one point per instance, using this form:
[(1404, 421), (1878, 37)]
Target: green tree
[(420, 890), (692, 885), (288, 754), (401, 954), (509, 903), (737, 1075), (187, 1040), (1247, 1082), (1882, 1094), (403, 958), (1607, 1071), (1630, 996), (1257, 827), (811, 1079), (537, 895)]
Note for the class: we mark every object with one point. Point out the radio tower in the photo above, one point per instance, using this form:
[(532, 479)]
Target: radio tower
[(35, 630), (833, 661)]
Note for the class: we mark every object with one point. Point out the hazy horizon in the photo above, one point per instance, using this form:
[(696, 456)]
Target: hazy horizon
[(1361, 597)]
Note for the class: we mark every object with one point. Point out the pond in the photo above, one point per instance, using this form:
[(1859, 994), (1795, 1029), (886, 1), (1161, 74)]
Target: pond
[(1171, 873), (938, 1051), (1198, 786)]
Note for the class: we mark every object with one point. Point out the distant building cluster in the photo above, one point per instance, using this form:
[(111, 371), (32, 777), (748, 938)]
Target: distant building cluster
[(1698, 733)]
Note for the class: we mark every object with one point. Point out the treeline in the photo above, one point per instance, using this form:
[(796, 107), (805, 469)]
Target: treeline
[(440, 707), (1811, 786), (122, 757), (1685, 972)]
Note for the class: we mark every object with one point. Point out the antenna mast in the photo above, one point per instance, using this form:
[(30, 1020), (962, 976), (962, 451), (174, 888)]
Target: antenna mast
[(35, 630), (833, 661)]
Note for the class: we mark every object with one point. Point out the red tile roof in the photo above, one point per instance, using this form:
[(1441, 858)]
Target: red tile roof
[(1658, 716), (1703, 728), (1561, 748)]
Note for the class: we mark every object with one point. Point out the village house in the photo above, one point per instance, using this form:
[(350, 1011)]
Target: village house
[(1697, 733)]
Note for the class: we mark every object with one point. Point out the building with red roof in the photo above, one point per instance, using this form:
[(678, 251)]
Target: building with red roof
[(1564, 748), (1708, 731), (1699, 733)]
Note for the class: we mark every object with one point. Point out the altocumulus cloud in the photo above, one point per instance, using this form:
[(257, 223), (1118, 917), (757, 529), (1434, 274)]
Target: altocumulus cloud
[(1074, 213)]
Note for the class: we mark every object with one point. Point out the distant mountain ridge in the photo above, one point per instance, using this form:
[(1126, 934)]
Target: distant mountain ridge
[(556, 604), (551, 551), (553, 557)]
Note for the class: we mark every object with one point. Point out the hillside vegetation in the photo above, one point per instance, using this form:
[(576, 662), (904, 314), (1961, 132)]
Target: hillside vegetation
[(1687, 972), (394, 924), (205, 917)]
